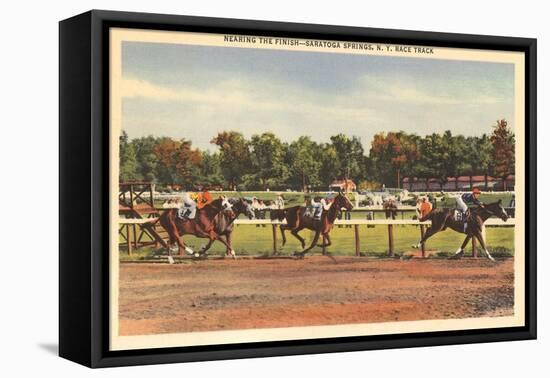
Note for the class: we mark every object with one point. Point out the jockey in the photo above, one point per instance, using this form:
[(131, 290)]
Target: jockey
[(204, 198), (319, 204), (464, 200), (188, 207)]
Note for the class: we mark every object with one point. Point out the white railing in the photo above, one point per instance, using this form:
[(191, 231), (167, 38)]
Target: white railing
[(390, 223), (490, 222)]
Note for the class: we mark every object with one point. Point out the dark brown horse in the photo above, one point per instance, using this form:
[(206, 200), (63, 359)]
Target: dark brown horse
[(223, 224), (443, 218), (202, 226), (297, 220)]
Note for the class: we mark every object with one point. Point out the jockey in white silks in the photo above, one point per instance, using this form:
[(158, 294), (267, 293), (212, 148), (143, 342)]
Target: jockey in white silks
[(188, 208), (319, 207), (462, 202)]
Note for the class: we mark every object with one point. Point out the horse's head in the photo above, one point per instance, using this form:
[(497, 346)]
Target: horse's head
[(341, 201), (497, 210), (223, 204), (241, 206)]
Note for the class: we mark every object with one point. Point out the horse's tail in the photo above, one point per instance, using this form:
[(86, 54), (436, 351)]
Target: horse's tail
[(167, 221), (277, 214), (164, 219)]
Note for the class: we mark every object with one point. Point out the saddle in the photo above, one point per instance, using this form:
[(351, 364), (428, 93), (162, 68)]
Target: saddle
[(313, 213), (184, 214), (460, 216)]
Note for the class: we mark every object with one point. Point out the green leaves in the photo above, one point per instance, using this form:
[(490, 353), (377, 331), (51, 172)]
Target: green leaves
[(269, 168), (266, 162), (503, 150), (128, 159), (303, 160), (235, 160)]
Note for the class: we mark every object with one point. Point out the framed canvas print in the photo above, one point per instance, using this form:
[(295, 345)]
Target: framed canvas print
[(233, 188)]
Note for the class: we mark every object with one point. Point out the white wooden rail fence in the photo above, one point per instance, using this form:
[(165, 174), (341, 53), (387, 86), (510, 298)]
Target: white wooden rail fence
[(390, 223)]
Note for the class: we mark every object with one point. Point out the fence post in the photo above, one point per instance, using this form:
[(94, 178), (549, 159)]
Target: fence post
[(357, 242), (422, 245), (474, 247), (274, 228), (135, 236), (390, 239), (129, 239)]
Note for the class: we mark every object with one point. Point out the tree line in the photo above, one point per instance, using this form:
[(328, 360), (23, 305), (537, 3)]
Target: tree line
[(265, 162)]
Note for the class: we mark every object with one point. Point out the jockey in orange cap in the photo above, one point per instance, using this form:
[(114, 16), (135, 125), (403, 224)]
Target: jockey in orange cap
[(204, 198)]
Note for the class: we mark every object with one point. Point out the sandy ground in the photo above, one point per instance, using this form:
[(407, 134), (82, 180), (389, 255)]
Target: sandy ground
[(264, 293)]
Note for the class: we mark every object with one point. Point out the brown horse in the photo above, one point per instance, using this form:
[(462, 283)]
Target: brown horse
[(443, 218), (296, 220), (202, 226), (223, 224)]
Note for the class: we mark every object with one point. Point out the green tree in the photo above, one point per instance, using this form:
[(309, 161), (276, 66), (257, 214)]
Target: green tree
[(454, 156), (477, 156), (128, 159), (434, 157), (177, 162), (503, 150), (267, 155), (146, 157), (234, 156), (210, 170), (305, 165), (350, 156), (330, 164), (393, 156)]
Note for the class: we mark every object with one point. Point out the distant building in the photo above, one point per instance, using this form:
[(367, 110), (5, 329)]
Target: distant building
[(344, 185), (459, 184)]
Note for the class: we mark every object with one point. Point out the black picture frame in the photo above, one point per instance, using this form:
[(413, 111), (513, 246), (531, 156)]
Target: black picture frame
[(83, 197)]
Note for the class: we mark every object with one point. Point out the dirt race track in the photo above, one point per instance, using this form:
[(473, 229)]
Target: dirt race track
[(264, 293)]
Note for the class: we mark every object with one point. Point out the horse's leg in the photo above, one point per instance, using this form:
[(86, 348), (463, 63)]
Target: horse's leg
[(284, 227), (479, 236), (313, 243), (430, 232), (206, 247), (460, 252), (214, 236), (326, 240), (322, 245), (228, 240), (182, 247), (301, 239), (168, 247), (179, 240)]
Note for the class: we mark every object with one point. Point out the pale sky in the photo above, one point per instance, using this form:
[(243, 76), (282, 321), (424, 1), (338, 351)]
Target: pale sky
[(193, 92)]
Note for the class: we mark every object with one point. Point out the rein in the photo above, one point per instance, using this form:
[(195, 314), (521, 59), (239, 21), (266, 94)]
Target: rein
[(333, 212)]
